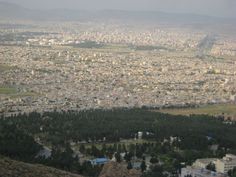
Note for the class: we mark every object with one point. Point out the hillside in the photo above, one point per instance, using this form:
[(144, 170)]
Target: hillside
[(12, 168)]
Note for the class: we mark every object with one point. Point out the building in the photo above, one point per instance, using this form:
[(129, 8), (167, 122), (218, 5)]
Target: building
[(191, 171), (226, 163), (222, 165), (140, 135), (202, 163)]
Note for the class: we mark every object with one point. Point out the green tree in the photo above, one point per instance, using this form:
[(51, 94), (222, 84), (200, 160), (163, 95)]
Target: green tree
[(118, 157), (143, 166), (129, 166), (211, 166), (154, 160), (232, 173), (82, 149)]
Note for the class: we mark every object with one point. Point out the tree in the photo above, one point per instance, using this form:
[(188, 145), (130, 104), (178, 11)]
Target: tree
[(95, 151), (232, 173), (154, 160), (211, 166), (128, 156), (143, 166), (118, 157), (156, 171), (119, 148), (129, 166), (104, 148), (124, 148), (115, 147), (87, 169), (82, 148)]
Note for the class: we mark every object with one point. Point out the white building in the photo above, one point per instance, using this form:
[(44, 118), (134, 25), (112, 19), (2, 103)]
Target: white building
[(202, 163), (191, 171), (227, 163), (222, 165), (140, 135)]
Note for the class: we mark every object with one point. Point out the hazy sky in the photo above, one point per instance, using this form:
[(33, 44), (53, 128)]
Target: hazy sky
[(209, 7)]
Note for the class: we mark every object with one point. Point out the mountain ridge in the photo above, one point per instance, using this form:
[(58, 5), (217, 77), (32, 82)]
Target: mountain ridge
[(14, 11)]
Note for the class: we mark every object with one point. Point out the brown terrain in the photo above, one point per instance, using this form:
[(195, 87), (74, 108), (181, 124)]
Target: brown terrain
[(12, 168), (113, 169)]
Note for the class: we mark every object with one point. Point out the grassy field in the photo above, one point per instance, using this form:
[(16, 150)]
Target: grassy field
[(218, 109), (24, 94), (7, 90)]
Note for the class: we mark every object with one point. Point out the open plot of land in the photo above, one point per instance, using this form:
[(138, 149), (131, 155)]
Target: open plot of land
[(218, 109)]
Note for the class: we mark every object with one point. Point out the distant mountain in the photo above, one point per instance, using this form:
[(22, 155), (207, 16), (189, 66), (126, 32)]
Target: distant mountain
[(13, 11), (9, 10)]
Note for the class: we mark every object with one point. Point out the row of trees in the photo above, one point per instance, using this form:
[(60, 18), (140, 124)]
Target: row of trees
[(94, 125)]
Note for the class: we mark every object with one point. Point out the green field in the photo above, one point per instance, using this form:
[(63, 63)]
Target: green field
[(13, 93), (7, 90), (4, 67), (218, 109), (24, 94)]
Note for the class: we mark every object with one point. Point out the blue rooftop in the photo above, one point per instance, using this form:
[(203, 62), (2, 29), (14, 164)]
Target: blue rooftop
[(99, 161)]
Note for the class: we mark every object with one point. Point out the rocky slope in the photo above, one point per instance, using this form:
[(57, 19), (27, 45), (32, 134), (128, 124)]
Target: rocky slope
[(12, 168)]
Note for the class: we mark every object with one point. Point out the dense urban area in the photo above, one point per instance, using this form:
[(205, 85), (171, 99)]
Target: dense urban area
[(76, 66)]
